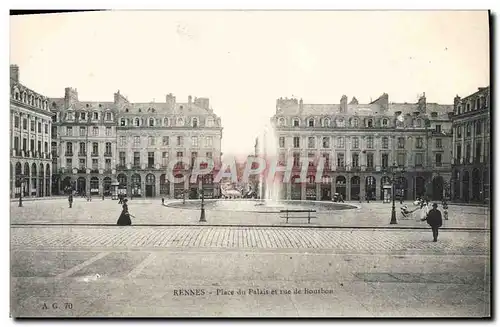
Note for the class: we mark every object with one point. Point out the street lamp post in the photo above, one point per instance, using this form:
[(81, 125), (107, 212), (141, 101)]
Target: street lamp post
[(393, 213), (202, 213), (21, 182)]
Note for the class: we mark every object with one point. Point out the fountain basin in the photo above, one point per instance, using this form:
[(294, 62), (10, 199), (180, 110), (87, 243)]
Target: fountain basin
[(259, 206)]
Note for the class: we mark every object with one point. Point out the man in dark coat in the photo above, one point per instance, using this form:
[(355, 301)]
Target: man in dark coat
[(434, 220), (70, 200)]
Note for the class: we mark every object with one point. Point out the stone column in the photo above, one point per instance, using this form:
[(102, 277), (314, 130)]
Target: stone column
[(303, 191), (318, 191), (483, 143), (347, 187), (462, 159), (473, 141), (333, 185), (377, 146), (289, 190), (411, 186), (409, 152), (157, 185), (362, 188)]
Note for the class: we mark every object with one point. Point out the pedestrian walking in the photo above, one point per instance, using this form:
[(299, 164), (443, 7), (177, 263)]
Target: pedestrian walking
[(445, 209), (124, 219), (434, 220), (120, 198), (70, 200), (103, 196), (162, 201)]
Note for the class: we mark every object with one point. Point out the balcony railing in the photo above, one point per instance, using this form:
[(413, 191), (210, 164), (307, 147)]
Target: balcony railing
[(82, 170), (151, 165), (121, 166), (94, 154), (82, 154), (68, 153), (94, 170), (108, 154)]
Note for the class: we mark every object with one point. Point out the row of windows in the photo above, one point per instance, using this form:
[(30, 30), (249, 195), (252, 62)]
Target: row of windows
[(340, 122), (30, 99), (468, 151), (151, 158), (311, 142), (467, 127), (32, 145), (83, 148), (82, 163), (83, 131), (369, 159), (151, 122), (480, 102), (165, 141), (33, 124), (85, 116)]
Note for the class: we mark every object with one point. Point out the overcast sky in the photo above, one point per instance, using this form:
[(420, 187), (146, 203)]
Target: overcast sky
[(244, 61)]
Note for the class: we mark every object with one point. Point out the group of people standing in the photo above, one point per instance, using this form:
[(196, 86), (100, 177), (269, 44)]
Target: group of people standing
[(429, 213)]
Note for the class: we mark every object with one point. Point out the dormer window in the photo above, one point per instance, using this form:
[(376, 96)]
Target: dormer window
[(296, 122), (310, 123), (369, 123), (126, 109), (151, 122), (108, 116), (384, 122), (326, 122), (210, 122), (165, 122), (82, 116), (355, 122), (96, 116), (281, 122), (341, 123), (87, 105), (137, 122), (418, 123), (180, 122), (195, 122)]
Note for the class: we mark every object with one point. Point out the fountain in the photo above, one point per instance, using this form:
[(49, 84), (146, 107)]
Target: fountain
[(269, 190)]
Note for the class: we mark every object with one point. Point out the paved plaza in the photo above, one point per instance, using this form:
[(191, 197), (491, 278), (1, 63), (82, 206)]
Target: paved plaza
[(215, 270), (151, 212)]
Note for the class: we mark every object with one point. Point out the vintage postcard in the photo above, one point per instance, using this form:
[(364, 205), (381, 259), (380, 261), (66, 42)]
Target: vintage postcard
[(250, 164)]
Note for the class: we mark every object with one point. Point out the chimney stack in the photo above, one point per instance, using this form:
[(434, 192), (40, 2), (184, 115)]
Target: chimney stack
[(14, 73)]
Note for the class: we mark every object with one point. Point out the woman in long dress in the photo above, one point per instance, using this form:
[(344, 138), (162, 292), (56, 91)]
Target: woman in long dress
[(424, 209), (124, 219)]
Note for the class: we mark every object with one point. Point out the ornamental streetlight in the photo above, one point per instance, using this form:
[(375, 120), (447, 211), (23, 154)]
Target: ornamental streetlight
[(202, 213), (393, 213), (21, 179)]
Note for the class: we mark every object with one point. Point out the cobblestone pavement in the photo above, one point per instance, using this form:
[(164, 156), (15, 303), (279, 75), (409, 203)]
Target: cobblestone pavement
[(141, 271), (374, 214), (344, 240)]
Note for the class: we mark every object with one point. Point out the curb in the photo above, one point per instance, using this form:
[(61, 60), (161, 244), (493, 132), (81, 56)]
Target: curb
[(461, 229)]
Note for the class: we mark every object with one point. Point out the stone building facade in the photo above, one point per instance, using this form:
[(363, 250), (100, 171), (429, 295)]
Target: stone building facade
[(30, 135), (99, 143), (360, 144), (84, 144), (153, 135), (471, 147)]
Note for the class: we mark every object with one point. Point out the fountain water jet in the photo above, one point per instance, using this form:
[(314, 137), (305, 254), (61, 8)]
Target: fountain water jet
[(267, 145)]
